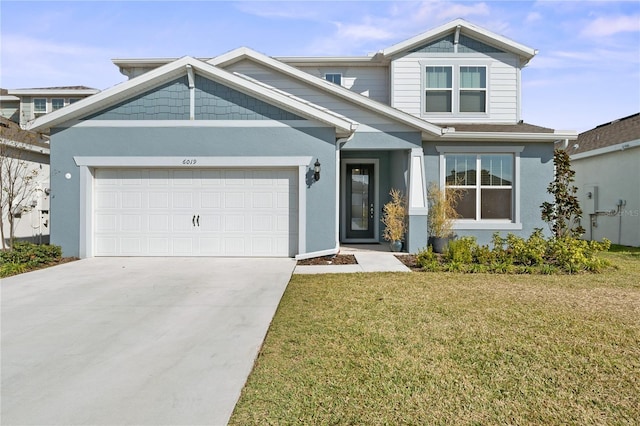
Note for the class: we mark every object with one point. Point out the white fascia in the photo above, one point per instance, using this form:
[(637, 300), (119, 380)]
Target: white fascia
[(451, 134), (466, 28), (52, 92), (607, 149)]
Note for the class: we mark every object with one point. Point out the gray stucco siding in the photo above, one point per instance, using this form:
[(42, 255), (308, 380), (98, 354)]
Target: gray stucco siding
[(383, 141), (536, 171), (317, 142)]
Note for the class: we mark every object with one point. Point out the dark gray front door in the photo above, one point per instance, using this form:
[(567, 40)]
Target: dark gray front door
[(360, 201)]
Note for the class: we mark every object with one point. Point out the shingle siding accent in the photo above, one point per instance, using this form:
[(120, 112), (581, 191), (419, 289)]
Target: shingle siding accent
[(215, 101), (465, 45), (167, 102), (469, 45), (442, 45)]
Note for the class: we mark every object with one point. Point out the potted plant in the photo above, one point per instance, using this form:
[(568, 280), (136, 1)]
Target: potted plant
[(442, 214), (394, 218)]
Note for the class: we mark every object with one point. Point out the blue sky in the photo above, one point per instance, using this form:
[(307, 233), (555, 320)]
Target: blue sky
[(587, 71)]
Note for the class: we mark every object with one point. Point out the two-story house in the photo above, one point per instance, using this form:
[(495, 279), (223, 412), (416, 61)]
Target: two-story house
[(24, 105), (244, 154)]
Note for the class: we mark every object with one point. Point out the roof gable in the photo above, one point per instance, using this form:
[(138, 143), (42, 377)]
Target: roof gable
[(133, 89), (471, 38)]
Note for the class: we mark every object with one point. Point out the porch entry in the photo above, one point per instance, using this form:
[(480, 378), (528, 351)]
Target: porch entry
[(360, 202)]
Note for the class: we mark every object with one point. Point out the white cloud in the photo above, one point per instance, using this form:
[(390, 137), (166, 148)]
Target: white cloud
[(611, 25), (453, 11), (533, 17), (350, 33)]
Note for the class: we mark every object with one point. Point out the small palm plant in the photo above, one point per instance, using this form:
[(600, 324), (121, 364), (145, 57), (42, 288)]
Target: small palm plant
[(394, 218)]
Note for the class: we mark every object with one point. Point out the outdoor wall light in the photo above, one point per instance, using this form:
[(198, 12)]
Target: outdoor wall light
[(316, 170)]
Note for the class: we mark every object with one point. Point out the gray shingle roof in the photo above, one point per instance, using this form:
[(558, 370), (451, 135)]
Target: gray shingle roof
[(618, 131)]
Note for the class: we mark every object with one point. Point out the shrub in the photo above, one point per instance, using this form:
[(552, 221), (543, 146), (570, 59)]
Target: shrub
[(461, 250), (515, 255), (31, 255), (428, 260)]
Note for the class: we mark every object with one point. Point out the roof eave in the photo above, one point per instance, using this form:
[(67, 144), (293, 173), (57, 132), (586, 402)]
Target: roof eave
[(510, 136), (525, 52)]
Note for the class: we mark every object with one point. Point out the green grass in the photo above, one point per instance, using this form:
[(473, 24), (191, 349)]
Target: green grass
[(442, 348)]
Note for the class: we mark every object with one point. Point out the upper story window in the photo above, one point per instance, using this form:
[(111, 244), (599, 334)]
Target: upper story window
[(473, 89), (73, 100), (334, 78), (39, 105), (57, 103), (455, 89), (439, 89)]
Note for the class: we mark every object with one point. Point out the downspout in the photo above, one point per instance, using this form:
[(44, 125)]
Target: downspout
[(564, 142)]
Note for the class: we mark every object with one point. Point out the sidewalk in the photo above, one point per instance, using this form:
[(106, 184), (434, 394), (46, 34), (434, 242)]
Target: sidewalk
[(370, 258)]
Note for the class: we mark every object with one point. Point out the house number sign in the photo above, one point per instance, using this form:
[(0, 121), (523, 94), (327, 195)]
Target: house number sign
[(189, 161)]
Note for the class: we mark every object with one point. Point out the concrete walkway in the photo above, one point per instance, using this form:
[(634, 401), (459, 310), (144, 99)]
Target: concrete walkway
[(134, 341), (370, 258)]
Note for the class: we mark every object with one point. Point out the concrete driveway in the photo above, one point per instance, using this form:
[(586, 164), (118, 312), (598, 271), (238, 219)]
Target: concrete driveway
[(119, 341)]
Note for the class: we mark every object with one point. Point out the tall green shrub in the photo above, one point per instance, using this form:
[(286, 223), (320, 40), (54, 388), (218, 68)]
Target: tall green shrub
[(564, 214)]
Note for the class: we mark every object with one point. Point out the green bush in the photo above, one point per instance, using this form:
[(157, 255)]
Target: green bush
[(25, 256), (515, 255)]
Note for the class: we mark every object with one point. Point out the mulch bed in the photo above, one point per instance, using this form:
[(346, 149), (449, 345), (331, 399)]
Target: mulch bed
[(338, 259), (410, 261)]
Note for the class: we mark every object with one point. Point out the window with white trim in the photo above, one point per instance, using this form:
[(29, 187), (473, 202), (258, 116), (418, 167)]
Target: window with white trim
[(57, 103), (455, 89), (73, 100), (39, 105), (473, 89), (486, 182), (438, 89), (334, 78)]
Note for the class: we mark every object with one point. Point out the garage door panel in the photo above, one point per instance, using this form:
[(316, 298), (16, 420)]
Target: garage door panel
[(207, 212)]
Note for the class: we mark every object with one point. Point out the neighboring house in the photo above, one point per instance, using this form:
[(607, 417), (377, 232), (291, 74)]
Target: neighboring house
[(216, 157), (607, 165), (9, 106), (24, 105), (32, 150)]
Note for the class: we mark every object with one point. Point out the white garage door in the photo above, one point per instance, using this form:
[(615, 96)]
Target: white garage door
[(218, 212)]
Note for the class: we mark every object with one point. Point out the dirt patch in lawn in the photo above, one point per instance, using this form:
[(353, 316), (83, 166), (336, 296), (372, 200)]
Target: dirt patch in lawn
[(339, 259)]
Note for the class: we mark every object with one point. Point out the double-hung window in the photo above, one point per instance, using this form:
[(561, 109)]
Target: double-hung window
[(39, 105), (439, 89), (473, 89), (57, 103), (486, 182), (455, 89)]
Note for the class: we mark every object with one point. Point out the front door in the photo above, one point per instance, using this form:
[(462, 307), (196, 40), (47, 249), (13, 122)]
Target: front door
[(360, 202)]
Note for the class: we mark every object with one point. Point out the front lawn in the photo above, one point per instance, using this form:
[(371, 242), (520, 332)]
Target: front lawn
[(445, 348)]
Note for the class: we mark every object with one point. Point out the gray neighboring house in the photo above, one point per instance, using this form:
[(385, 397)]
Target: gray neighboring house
[(217, 156), (25, 105), (606, 160)]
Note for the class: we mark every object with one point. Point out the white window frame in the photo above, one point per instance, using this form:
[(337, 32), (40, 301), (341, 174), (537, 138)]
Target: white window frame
[(488, 224), (327, 74), (63, 103), (426, 89), (46, 104), (471, 89), (455, 90)]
